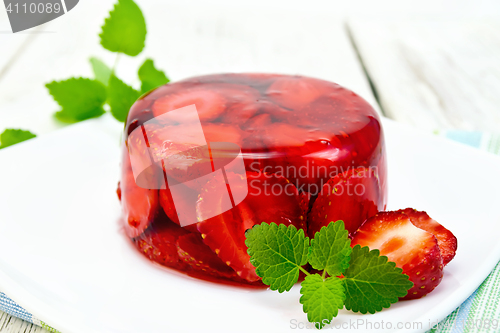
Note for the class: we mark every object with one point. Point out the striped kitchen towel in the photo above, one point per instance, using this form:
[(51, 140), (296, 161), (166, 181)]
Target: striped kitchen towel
[(10, 307), (479, 313)]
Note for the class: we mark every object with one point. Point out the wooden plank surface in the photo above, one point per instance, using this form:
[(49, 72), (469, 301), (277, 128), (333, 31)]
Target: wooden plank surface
[(185, 41), (9, 324), (434, 74), (61, 49), (12, 45)]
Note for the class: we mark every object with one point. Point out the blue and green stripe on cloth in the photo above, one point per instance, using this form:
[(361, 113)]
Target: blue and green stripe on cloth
[(479, 313)]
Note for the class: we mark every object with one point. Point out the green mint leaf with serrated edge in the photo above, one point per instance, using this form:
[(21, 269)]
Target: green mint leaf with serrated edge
[(79, 98), (101, 71), (12, 136), (151, 77), (371, 282), (330, 249), (120, 98), (125, 29), (321, 299), (277, 252)]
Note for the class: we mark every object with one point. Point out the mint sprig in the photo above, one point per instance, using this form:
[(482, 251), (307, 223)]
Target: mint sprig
[(121, 96), (12, 136), (102, 72), (79, 98), (330, 249), (279, 268), (322, 298), (373, 283), (357, 278), (151, 77), (123, 32)]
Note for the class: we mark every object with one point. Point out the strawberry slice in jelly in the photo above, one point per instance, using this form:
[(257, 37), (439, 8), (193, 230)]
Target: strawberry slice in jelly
[(352, 196), (296, 92), (294, 136), (270, 198), (446, 240), (199, 257), (159, 243), (184, 208), (140, 206), (209, 104)]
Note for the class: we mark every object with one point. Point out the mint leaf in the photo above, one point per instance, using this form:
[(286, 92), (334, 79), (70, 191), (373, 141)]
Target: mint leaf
[(125, 29), (277, 252), (79, 98), (12, 136), (330, 249), (151, 77), (371, 282), (101, 71), (120, 98), (321, 299)]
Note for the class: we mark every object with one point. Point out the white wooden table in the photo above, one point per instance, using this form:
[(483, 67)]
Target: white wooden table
[(431, 73)]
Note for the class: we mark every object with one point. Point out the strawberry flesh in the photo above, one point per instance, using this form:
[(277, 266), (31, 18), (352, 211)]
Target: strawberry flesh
[(446, 240), (140, 206), (159, 243), (198, 256), (225, 233), (414, 250), (352, 197)]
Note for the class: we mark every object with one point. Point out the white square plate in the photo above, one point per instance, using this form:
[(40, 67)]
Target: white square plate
[(64, 257)]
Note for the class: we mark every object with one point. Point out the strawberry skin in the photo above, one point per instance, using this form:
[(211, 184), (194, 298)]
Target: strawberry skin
[(198, 256), (446, 240), (140, 206), (352, 197), (414, 250), (304, 203)]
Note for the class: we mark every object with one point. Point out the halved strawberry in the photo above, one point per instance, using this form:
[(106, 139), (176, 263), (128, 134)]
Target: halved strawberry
[(414, 250), (200, 257), (167, 203), (270, 198), (159, 242), (183, 150), (283, 135), (446, 240), (352, 196), (180, 149), (139, 205), (209, 104), (222, 133), (168, 140)]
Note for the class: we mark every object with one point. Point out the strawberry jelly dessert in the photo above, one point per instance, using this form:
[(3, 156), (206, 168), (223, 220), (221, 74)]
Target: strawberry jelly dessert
[(206, 158)]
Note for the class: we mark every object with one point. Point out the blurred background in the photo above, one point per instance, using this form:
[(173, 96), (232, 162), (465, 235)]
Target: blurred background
[(431, 64)]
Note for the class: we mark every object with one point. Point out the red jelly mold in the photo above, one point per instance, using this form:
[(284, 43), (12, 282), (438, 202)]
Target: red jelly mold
[(311, 152)]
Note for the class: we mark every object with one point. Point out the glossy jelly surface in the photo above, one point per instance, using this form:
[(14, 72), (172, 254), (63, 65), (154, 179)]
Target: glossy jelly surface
[(309, 152)]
